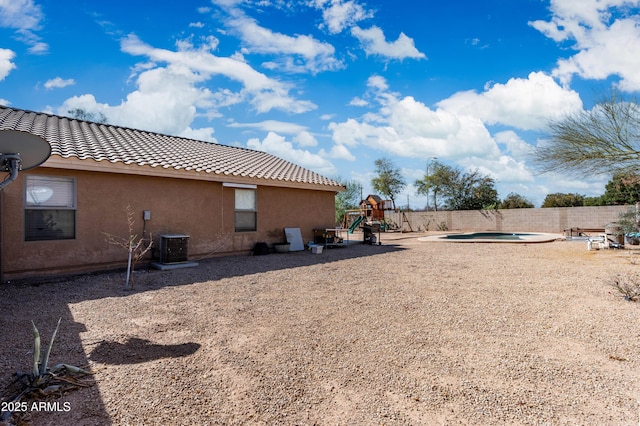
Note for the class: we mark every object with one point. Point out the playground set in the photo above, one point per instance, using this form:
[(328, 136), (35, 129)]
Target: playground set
[(369, 218)]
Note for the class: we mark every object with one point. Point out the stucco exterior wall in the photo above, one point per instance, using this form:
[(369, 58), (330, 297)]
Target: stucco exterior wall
[(201, 209), (553, 220)]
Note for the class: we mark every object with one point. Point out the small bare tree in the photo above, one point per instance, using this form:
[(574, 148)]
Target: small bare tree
[(136, 247)]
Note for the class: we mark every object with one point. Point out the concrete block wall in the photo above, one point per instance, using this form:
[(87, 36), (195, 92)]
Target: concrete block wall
[(553, 220)]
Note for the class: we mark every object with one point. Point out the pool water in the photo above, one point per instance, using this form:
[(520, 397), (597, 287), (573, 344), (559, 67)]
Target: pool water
[(486, 236)]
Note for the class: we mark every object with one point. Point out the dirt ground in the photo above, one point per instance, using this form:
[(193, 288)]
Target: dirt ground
[(407, 332)]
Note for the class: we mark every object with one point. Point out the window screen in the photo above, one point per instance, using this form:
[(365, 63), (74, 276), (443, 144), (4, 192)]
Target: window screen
[(245, 210), (50, 208)]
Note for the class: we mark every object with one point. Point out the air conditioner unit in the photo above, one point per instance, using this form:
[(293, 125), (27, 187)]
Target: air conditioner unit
[(173, 248)]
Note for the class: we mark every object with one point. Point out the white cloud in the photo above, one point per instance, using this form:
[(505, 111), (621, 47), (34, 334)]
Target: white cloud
[(58, 83), (503, 168), (6, 56), (513, 144), (279, 146), (305, 139), (408, 128), (359, 102), (456, 130), (339, 152), (20, 14), (200, 64), (272, 126), (316, 56), (25, 17), (606, 46), (201, 134), (522, 103), (39, 48), (339, 15), (374, 43)]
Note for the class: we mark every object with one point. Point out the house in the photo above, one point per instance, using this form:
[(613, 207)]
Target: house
[(54, 217)]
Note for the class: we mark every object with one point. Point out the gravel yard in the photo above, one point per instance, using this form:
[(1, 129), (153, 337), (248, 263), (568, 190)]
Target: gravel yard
[(408, 332)]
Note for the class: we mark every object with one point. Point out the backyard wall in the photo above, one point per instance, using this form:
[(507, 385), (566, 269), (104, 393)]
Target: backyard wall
[(553, 220)]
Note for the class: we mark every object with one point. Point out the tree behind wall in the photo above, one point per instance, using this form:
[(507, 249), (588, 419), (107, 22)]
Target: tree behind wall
[(516, 201), (623, 188), (388, 180), (563, 200), (348, 199)]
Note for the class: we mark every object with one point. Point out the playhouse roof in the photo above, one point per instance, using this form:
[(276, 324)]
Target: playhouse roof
[(85, 145)]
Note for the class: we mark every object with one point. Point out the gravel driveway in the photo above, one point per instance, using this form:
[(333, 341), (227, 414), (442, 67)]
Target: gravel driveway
[(408, 332)]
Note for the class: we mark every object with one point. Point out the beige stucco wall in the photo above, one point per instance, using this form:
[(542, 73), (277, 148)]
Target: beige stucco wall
[(202, 209), (553, 220)]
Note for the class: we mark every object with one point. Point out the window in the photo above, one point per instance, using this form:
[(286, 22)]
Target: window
[(50, 208), (245, 210)]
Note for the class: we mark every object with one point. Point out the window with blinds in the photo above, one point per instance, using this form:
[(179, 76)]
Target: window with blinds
[(50, 208), (246, 214)]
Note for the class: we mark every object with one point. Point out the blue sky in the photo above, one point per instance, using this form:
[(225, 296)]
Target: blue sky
[(333, 85)]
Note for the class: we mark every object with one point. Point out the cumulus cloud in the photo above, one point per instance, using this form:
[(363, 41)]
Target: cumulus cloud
[(339, 152), (277, 145), (58, 83), (513, 144), (199, 64), (338, 15), (406, 127), (374, 42), (6, 56), (522, 103), (605, 34), (456, 128), (305, 139)]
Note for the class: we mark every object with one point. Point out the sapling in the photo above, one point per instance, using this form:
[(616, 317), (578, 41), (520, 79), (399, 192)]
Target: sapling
[(136, 247)]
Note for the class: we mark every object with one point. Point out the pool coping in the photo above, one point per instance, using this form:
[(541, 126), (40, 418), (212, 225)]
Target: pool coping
[(535, 237)]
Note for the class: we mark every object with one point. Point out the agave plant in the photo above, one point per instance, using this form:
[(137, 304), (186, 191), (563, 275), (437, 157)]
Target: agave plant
[(42, 375), (45, 381)]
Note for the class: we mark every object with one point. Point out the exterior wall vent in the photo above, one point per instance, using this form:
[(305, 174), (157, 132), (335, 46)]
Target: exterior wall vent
[(174, 248)]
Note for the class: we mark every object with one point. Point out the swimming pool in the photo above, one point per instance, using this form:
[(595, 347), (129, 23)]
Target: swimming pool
[(486, 236), (495, 237)]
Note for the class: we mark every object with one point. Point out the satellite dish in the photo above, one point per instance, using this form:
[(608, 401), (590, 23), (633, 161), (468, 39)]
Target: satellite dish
[(21, 151)]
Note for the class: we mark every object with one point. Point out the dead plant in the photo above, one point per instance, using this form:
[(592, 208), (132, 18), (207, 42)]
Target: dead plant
[(628, 286)]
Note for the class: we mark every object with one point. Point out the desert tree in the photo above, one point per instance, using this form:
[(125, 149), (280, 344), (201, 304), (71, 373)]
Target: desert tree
[(515, 201), (459, 190), (388, 180), (560, 199), (347, 199), (602, 140), (435, 181)]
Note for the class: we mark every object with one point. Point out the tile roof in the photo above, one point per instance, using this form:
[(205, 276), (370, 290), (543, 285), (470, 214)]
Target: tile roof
[(87, 140)]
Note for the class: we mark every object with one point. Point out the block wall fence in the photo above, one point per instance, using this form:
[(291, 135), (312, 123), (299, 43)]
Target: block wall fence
[(553, 220)]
